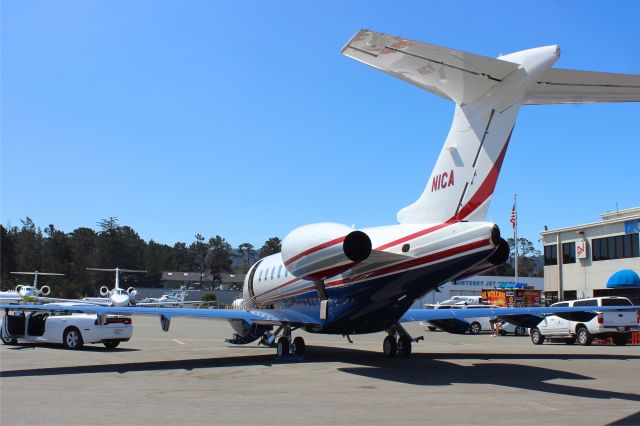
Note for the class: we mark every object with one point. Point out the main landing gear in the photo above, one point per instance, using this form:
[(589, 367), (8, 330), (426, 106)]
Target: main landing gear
[(398, 342), (287, 347)]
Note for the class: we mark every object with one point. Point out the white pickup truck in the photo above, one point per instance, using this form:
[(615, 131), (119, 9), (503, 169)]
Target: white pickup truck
[(615, 323)]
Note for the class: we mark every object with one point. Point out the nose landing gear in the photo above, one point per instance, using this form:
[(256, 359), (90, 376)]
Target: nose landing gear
[(398, 342)]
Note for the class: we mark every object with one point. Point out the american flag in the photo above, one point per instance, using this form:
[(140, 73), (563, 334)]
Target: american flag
[(514, 217)]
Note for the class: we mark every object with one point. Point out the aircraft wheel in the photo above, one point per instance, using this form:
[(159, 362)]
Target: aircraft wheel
[(536, 337), (475, 328), (390, 347), (584, 337), (283, 346), (72, 338), (404, 346), (299, 348), (111, 344)]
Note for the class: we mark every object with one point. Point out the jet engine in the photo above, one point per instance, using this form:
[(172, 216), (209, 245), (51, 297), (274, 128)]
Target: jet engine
[(497, 258), (45, 290), (246, 333), (104, 291), (323, 250), (18, 288), (132, 292)]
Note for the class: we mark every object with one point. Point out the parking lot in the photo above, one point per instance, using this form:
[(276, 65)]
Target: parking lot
[(190, 376)]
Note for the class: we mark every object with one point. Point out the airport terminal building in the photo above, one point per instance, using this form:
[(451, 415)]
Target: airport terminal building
[(594, 259)]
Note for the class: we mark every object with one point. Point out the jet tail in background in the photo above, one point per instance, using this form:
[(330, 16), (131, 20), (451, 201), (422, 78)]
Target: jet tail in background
[(488, 93)]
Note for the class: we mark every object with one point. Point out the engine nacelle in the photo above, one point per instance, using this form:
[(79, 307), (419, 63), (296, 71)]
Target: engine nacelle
[(104, 291), (497, 258), (132, 292), (238, 304), (45, 290), (18, 288), (323, 250)]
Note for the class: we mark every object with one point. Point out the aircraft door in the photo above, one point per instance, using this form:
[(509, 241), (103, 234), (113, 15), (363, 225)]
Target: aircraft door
[(252, 293)]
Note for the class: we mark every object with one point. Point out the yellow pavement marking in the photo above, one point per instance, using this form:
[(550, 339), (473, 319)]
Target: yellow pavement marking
[(180, 342)]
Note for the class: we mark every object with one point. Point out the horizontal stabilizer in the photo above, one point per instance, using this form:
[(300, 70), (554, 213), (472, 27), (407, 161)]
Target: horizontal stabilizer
[(560, 86), (452, 74)]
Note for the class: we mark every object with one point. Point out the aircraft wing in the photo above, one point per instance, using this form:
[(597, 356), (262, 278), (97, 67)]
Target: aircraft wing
[(560, 86), (272, 316), (525, 317), (452, 74)]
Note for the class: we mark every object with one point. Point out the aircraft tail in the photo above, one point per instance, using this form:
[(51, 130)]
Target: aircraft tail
[(487, 93)]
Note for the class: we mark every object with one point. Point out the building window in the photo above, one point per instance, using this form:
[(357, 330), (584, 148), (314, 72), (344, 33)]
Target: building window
[(618, 247), (550, 255), (569, 252)]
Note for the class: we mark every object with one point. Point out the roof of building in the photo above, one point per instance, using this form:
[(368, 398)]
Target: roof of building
[(607, 218)]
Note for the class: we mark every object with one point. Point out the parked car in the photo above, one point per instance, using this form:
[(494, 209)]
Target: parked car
[(508, 328), (460, 326), (616, 323), (72, 330)]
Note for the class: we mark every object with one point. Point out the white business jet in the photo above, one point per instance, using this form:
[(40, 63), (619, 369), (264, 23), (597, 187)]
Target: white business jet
[(116, 296), (330, 278), (23, 292)]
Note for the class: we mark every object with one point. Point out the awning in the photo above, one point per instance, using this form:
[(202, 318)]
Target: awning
[(623, 279)]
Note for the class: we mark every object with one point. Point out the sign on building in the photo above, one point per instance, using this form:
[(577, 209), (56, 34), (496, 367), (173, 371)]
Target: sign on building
[(581, 249)]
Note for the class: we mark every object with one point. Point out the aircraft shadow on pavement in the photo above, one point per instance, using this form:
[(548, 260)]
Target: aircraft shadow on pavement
[(33, 346), (422, 369)]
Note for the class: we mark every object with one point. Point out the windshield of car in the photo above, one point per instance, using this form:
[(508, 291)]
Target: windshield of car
[(616, 302)]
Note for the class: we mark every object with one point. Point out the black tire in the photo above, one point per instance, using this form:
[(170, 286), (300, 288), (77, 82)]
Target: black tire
[(72, 339), (570, 340), (283, 346), (111, 344), (9, 340), (404, 346), (583, 336), (475, 328), (390, 347), (536, 337), (620, 340), (432, 328), (520, 331), (299, 348)]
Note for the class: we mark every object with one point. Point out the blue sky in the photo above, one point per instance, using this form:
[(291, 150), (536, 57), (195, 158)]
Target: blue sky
[(242, 119)]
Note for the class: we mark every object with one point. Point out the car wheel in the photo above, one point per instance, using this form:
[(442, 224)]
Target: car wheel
[(9, 340), (584, 337), (620, 340), (72, 338), (111, 344), (520, 331), (475, 328), (569, 340), (536, 337)]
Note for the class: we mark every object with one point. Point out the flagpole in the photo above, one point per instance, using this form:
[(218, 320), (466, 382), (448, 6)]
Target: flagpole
[(515, 237)]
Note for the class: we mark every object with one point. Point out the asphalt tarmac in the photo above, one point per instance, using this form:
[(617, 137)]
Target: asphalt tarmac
[(189, 376)]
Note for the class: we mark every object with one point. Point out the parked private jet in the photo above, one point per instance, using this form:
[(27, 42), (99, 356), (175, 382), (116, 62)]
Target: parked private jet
[(330, 278), (116, 296), (24, 292)]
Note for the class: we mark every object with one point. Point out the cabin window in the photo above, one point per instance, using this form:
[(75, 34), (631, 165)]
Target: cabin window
[(273, 271), (279, 270), (260, 275)]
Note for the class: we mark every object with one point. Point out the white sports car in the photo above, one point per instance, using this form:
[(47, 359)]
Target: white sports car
[(71, 329)]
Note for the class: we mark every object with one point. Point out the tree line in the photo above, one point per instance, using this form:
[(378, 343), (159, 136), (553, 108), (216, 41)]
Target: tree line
[(30, 248)]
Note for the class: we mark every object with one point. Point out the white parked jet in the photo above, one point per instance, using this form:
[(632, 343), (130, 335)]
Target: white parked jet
[(331, 278), (116, 296), (23, 292)]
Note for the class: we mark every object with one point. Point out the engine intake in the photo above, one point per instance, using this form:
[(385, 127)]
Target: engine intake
[(322, 250)]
